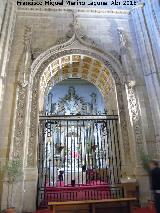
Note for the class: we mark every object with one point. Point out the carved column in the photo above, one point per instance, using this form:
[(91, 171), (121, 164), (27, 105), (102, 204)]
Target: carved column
[(30, 169), (127, 66), (139, 140), (125, 146), (22, 90), (135, 116), (18, 143)]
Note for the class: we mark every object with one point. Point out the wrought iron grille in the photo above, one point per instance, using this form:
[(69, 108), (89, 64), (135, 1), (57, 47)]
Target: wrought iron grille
[(76, 152)]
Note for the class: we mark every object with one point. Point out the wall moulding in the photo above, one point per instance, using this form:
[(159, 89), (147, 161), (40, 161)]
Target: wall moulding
[(40, 9)]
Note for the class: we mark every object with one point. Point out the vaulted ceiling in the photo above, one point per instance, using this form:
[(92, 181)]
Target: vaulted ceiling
[(77, 66)]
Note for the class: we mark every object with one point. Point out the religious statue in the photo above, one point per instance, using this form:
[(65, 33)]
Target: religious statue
[(93, 103), (72, 104)]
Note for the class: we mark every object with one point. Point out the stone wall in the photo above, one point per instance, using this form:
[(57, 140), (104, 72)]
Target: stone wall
[(147, 33), (2, 11)]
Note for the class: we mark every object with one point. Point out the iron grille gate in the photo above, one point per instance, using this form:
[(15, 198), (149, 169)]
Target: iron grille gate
[(77, 151)]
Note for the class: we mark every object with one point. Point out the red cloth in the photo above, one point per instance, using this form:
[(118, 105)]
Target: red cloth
[(144, 210), (83, 192), (43, 211)]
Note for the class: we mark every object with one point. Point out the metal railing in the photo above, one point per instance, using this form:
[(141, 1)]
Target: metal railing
[(76, 152), (79, 194)]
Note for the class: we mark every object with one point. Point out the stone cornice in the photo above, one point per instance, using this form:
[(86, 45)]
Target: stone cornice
[(139, 6), (67, 9)]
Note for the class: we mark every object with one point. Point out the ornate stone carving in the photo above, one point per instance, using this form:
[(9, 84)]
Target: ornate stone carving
[(72, 104), (33, 124), (120, 100), (135, 115), (49, 56), (37, 69), (123, 41), (36, 52), (76, 31), (20, 124), (116, 55), (23, 78)]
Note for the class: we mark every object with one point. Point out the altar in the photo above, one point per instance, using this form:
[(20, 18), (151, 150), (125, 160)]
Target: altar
[(74, 178)]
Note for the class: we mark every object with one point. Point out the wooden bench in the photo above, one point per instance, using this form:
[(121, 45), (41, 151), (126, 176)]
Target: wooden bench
[(122, 205)]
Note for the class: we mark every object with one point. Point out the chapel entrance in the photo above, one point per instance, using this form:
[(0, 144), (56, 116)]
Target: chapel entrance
[(79, 153)]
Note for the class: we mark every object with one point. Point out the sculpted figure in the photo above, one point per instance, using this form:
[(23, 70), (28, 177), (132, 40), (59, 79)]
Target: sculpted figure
[(93, 103)]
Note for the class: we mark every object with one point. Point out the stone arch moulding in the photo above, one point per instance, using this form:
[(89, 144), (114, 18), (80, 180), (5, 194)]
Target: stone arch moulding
[(27, 112)]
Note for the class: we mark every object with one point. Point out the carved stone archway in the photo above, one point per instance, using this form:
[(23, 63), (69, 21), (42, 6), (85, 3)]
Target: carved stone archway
[(31, 159), (28, 99), (25, 138)]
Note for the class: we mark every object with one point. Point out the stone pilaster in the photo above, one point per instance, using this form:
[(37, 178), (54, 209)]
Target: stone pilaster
[(149, 66)]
